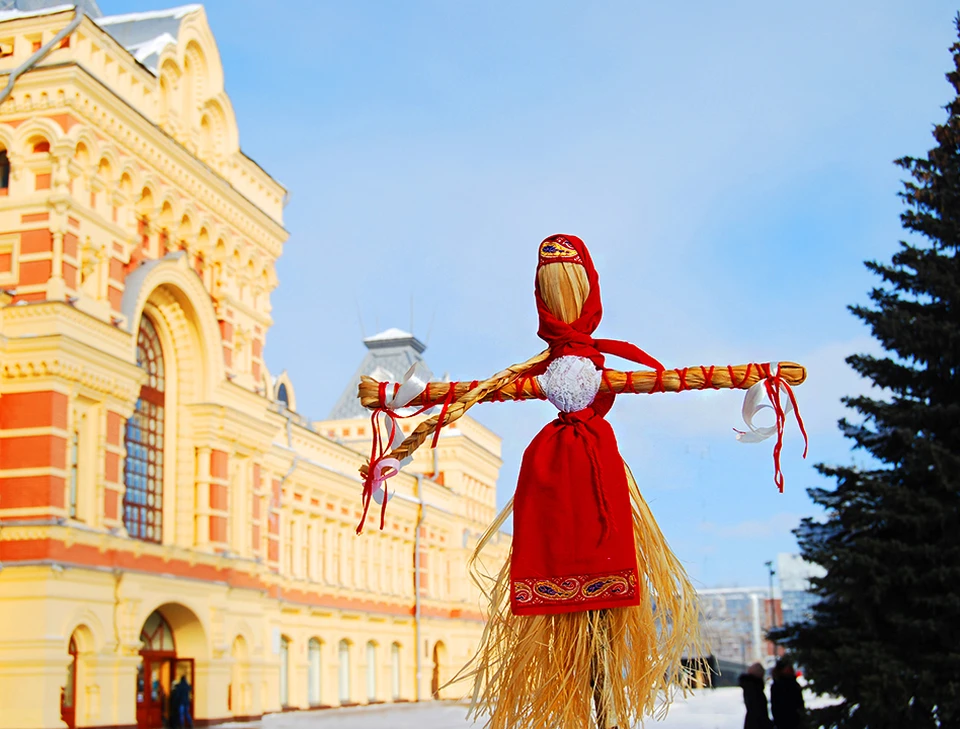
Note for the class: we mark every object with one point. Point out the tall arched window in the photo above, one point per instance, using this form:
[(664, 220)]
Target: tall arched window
[(395, 670), (371, 671), (68, 708), (143, 468), (344, 668), (313, 671), (4, 172), (284, 671)]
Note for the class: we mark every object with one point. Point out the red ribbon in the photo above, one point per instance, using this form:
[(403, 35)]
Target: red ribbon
[(773, 382), (381, 467)]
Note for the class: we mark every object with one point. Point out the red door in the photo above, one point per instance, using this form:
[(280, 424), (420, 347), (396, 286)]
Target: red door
[(155, 675), (153, 689)]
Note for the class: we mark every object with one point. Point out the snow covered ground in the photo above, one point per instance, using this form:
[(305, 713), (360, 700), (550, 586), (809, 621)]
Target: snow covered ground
[(716, 709)]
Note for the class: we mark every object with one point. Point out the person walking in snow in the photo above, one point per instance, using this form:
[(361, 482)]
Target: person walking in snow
[(786, 697), (754, 699)]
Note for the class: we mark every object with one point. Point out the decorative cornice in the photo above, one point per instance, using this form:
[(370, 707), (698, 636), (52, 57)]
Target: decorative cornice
[(213, 422), (64, 319), (75, 370), (137, 136)]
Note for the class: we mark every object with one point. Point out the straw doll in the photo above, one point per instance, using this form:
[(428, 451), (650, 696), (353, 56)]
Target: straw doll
[(591, 615)]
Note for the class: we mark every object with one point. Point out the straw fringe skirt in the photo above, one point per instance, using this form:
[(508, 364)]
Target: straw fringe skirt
[(573, 670)]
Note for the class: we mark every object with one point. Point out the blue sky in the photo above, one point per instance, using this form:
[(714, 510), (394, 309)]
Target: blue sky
[(729, 166)]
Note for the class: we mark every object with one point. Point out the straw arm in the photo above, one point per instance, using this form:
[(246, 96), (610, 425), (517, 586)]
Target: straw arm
[(454, 408), (724, 377)]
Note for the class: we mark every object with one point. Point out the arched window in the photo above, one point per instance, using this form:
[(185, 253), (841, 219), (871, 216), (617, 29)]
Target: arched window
[(4, 172), (344, 671), (313, 671), (68, 709), (439, 661), (156, 635), (206, 138), (284, 671), (395, 671), (143, 438), (282, 395), (371, 671)]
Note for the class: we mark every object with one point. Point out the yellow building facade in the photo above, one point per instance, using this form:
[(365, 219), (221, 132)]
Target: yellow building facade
[(165, 511)]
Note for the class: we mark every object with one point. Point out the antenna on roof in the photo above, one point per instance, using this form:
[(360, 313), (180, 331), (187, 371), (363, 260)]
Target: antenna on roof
[(433, 316), (363, 333)]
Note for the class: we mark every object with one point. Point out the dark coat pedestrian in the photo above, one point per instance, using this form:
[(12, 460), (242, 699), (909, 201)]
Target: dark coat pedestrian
[(182, 701), (786, 698), (754, 699)]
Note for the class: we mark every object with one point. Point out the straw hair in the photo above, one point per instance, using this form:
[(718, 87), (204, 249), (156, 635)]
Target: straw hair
[(563, 288), (536, 671)]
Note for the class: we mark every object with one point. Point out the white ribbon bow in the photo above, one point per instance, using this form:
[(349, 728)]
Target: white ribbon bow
[(412, 386), (752, 405)]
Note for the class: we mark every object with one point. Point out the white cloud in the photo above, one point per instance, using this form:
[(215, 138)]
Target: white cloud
[(717, 412), (774, 526)]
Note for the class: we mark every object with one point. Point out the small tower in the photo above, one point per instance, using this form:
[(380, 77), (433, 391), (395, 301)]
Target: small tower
[(390, 354)]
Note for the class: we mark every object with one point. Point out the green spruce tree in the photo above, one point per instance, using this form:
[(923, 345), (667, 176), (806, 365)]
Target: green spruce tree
[(885, 637)]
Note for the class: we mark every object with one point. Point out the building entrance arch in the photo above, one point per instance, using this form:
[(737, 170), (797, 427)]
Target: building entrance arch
[(68, 694), (72, 692), (439, 661), (161, 669)]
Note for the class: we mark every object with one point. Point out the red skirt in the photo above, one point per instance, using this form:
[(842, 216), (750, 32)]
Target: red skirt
[(573, 546)]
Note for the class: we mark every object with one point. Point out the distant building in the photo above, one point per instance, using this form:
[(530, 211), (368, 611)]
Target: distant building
[(165, 510), (737, 619), (794, 575), (736, 622)]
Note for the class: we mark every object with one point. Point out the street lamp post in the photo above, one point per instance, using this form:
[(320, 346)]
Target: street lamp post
[(773, 612), (773, 609)]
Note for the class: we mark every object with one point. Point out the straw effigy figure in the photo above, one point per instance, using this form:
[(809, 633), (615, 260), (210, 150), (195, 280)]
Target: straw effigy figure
[(589, 619)]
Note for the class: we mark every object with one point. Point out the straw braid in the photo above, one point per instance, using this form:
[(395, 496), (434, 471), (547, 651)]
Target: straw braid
[(459, 407)]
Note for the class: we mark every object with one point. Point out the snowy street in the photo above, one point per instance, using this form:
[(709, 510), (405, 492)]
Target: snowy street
[(717, 709)]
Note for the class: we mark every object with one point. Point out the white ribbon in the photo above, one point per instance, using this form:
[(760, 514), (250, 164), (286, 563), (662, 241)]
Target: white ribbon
[(380, 480), (412, 386), (752, 405)]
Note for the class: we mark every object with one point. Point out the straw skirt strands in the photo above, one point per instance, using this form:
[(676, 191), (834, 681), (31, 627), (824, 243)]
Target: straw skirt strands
[(559, 671)]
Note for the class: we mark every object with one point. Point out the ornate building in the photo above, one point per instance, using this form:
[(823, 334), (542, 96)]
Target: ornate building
[(164, 509)]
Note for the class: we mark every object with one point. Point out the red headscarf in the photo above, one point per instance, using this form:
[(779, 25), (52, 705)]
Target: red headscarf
[(574, 338)]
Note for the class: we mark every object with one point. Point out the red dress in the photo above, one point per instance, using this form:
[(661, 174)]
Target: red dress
[(573, 545), (568, 555)]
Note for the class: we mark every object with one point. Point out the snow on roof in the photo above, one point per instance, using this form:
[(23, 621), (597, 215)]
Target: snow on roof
[(12, 14), (175, 13), (391, 333), (142, 51), (146, 34)]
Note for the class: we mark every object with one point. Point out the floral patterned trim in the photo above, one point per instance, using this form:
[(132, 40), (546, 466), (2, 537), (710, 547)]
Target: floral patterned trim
[(558, 249), (575, 589)]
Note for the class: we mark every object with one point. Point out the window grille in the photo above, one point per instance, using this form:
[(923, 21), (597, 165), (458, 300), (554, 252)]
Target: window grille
[(143, 438)]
